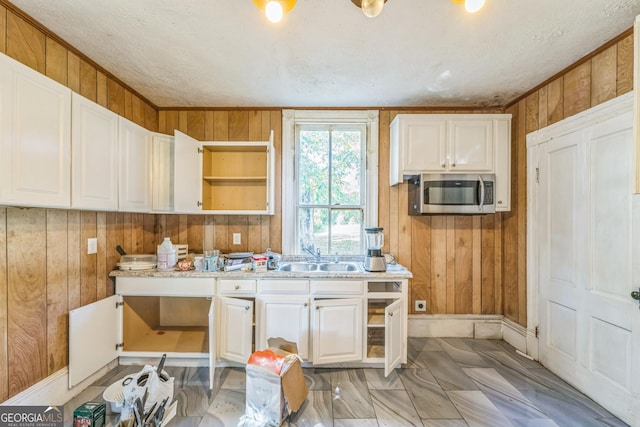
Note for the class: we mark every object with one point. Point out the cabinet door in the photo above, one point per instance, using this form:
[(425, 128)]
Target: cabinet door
[(94, 331), (212, 344), (162, 173), (471, 146), (502, 129), (337, 330), (284, 317), (235, 329), (392, 336), (94, 165), (135, 167), (424, 147), (35, 138), (187, 174)]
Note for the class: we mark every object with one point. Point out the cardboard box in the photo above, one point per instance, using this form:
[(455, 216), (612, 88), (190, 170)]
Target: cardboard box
[(259, 263), (90, 414), (271, 398)]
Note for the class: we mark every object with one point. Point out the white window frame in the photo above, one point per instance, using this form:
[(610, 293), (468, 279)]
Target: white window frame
[(289, 120)]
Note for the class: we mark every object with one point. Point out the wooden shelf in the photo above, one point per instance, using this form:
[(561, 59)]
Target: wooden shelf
[(234, 178), (170, 339), (375, 319), (375, 351)]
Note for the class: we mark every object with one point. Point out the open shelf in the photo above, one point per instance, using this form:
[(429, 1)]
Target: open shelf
[(234, 178)]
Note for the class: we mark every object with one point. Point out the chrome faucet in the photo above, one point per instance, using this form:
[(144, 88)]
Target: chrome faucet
[(315, 252)]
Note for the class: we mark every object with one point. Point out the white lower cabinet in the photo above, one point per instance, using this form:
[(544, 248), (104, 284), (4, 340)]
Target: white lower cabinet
[(285, 317), (337, 330), (235, 329), (148, 316)]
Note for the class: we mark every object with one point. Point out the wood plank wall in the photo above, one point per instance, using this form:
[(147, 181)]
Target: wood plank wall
[(44, 268), (257, 233)]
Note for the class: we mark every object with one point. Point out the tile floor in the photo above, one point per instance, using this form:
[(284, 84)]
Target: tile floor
[(447, 382)]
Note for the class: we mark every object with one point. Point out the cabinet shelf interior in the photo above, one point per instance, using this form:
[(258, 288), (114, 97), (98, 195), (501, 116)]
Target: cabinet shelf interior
[(167, 324), (235, 178)]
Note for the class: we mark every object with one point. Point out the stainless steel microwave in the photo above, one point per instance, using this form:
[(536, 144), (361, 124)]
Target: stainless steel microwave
[(454, 194)]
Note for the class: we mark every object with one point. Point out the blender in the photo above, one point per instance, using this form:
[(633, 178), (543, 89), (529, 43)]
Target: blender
[(374, 261)]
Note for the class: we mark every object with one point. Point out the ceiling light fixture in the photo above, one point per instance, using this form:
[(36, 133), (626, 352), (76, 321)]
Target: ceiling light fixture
[(275, 9), (370, 8), (471, 6)]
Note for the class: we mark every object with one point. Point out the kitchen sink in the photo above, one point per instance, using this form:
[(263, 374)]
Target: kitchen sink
[(339, 266), (298, 267), (310, 267)]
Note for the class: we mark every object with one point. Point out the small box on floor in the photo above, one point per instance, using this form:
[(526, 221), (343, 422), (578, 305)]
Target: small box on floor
[(90, 414), (275, 383)]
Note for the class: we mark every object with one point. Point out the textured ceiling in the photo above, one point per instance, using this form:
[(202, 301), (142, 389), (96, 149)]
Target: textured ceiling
[(326, 53)]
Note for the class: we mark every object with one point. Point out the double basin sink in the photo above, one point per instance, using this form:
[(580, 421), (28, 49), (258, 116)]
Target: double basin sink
[(323, 267)]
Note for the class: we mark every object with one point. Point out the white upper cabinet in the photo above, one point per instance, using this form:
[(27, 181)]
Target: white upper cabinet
[(135, 167), (230, 177), (94, 166), (35, 138), (162, 173), (453, 143)]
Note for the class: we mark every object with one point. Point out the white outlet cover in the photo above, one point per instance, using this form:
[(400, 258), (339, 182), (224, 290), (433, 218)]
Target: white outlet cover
[(237, 239), (92, 246)]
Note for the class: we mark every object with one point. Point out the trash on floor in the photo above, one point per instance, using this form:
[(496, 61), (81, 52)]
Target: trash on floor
[(275, 384)]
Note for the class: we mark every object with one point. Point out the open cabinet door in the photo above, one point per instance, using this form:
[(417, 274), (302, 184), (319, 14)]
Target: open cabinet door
[(392, 336), (236, 329), (212, 344), (187, 174), (94, 332)]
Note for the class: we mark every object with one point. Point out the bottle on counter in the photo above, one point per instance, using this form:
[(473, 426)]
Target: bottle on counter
[(167, 256)]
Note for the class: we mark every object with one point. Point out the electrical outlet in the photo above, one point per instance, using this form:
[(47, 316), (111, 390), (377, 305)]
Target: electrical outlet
[(421, 305), (92, 246), (237, 239)]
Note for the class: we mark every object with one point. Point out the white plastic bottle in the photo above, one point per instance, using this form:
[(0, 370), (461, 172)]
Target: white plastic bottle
[(167, 256)]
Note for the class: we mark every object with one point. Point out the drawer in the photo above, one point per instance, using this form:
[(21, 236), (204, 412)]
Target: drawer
[(337, 287), (283, 286), (165, 286), (237, 287)]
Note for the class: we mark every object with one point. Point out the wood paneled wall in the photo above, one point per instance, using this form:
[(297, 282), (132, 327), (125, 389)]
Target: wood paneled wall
[(257, 233)]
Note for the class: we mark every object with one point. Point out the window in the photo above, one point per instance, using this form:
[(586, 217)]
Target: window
[(329, 180)]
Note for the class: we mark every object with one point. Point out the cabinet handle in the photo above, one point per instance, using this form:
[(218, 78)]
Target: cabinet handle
[(453, 165), (237, 287), (499, 202), (306, 304), (247, 308), (317, 307), (390, 314), (198, 203), (443, 165)]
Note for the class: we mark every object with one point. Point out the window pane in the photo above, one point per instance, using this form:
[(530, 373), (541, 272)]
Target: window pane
[(313, 229), (346, 167), (346, 231), (313, 167)]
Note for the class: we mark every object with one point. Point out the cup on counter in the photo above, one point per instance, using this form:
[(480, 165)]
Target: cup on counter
[(211, 259), (199, 263)]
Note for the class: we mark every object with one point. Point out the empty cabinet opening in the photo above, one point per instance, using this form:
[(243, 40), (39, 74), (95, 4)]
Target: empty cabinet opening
[(234, 177), (376, 326), (166, 324)]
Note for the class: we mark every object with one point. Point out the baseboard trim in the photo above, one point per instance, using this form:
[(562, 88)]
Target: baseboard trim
[(471, 326), (54, 390)]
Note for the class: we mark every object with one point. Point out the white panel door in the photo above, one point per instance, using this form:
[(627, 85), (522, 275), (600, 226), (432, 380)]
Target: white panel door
[(94, 166), (94, 332), (588, 321), (235, 329), (187, 172), (212, 344), (285, 317), (337, 330), (135, 167), (424, 145), (35, 138), (393, 336)]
